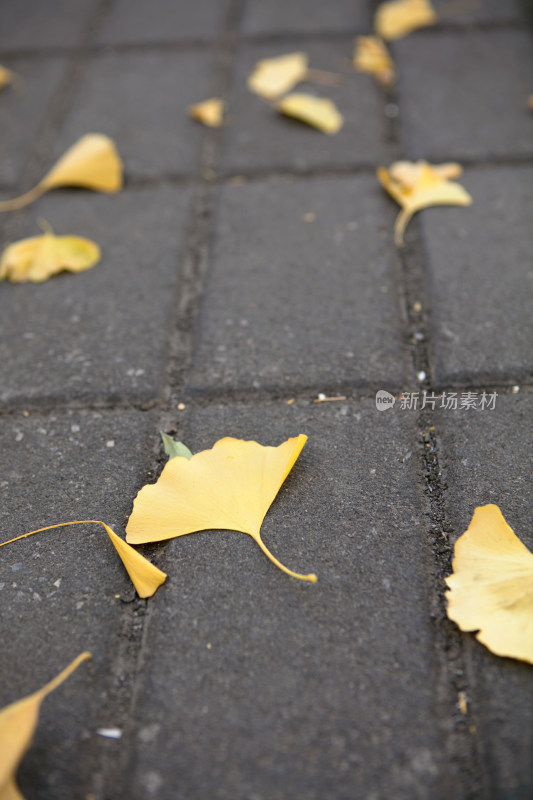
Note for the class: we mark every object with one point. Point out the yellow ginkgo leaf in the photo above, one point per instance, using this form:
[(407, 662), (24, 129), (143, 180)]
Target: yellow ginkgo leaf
[(209, 112), (371, 55), (399, 17), (18, 722), (6, 76), (318, 112), (272, 77), (92, 163), (145, 576), (230, 487), (419, 185), (491, 588), (38, 258)]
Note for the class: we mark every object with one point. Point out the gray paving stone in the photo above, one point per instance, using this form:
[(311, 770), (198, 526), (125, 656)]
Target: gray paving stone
[(58, 589), (486, 458), (472, 101), (481, 280), (488, 11), (291, 302), (161, 21), (257, 685), (259, 138), (28, 24), (23, 110), (141, 100), (100, 333), (305, 16)]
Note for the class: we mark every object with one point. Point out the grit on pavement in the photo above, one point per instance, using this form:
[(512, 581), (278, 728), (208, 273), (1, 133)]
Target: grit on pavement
[(246, 271)]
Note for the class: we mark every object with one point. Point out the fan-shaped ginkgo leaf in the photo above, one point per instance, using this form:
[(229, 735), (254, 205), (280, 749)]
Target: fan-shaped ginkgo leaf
[(371, 55), (209, 112), (6, 76), (230, 487), (319, 112), (18, 722), (397, 18), (92, 163), (419, 185), (38, 258), (491, 588), (145, 576), (272, 77)]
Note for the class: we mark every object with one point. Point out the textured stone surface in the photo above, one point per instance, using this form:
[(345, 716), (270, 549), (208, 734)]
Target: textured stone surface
[(486, 458), (56, 23), (481, 279), (299, 16), (58, 589), (23, 111), (301, 302), (161, 21), (103, 332), (487, 11), (259, 138), (284, 688), (472, 102), (141, 100)]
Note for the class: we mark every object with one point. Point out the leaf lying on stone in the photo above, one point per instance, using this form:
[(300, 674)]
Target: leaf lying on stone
[(174, 449), (39, 257), (91, 163), (371, 55), (145, 576), (209, 112), (230, 487), (273, 77), (18, 722), (6, 77), (397, 18), (318, 112), (491, 588), (419, 185)]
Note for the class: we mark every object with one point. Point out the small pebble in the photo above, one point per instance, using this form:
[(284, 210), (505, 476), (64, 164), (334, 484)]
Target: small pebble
[(421, 376), (516, 389), (110, 443)]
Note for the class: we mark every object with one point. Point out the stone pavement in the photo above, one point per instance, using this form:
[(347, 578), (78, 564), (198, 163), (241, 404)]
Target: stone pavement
[(243, 268)]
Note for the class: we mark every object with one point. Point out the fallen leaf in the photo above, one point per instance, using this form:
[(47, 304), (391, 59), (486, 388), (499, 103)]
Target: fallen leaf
[(397, 18), (174, 449), (319, 112), (419, 185), (491, 588), (230, 487), (209, 112), (146, 577), (530, 102), (371, 55), (92, 163), (38, 258), (6, 77), (272, 77), (18, 722)]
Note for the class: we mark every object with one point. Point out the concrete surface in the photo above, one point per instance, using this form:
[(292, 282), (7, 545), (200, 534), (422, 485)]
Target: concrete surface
[(245, 271)]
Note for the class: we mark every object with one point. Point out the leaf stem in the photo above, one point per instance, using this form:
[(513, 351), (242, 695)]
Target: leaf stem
[(49, 527), (22, 201), (54, 683), (311, 577)]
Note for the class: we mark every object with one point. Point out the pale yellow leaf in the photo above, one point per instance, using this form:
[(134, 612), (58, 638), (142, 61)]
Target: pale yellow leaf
[(18, 722), (146, 577), (399, 17), (419, 185), (38, 258), (491, 588), (209, 112), (371, 55), (230, 487), (91, 163), (272, 77), (6, 77), (318, 112)]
